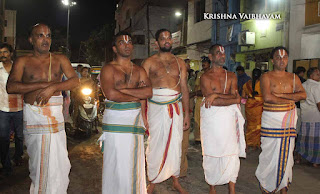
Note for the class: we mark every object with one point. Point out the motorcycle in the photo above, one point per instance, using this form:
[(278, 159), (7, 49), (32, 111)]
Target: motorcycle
[(86, 119)]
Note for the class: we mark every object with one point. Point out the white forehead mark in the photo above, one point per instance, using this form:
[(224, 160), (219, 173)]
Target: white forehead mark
[(282, 52), (221, 49), (126, 38)]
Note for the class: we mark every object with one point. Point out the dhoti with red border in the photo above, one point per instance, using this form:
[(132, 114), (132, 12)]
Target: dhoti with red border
[(165, 120)]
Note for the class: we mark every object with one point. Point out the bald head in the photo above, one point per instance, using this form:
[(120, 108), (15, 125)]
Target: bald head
[(36, 26)]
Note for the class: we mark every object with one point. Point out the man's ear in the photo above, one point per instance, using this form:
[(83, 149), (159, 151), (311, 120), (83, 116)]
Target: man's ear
[(30, 40), (157, 43), (210, 56), (114, 49)]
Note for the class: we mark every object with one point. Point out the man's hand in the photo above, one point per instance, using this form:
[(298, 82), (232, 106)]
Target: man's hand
[(186, 122), (279, 95), (209, 99), (43, 97), (145, 121)]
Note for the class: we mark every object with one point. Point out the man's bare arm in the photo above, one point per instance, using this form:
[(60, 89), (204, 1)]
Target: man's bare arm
[(228, 99), (14, 83), (144, 91), (185, 94), (72, 82), (300, 93), (108, 88), (266, 92)]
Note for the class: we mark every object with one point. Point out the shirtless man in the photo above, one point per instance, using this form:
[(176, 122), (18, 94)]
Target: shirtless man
[(280, 90), (219, 119), (124, 84), (38, 77), (168, 75)]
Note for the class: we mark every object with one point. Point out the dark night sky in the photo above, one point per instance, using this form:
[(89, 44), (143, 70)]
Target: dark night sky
[(85, 17)]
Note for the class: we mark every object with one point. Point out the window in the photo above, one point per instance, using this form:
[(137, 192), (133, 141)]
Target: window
[(5, 23), (5, 39), (199, 10), (138, 39)]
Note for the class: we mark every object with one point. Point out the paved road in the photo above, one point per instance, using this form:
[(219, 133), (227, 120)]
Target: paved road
[(85, 176)]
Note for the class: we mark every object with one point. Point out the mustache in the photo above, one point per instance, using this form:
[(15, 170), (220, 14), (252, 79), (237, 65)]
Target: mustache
[(3, 57)]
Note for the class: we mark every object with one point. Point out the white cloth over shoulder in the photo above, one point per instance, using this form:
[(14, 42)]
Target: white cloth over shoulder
[(223, 142), (45, 139), (165, 118), (123, 149)]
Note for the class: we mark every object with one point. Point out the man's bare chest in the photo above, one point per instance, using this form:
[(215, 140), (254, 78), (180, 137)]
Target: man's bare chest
[(34, 72)]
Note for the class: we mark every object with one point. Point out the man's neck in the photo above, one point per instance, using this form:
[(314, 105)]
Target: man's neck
[(217, 68), (40, 54), (7, 65), (123, 61), (279, 71), (165, 55)]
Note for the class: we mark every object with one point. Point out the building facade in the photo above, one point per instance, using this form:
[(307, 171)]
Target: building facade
[(304, 39), (143, 18), (259, 36), (10, 27)]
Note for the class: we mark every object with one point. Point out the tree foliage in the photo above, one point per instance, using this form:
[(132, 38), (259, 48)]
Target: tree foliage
[(97, 46)]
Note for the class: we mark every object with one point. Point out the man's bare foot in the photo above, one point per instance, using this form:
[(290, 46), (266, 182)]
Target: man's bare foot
[(232, 188), (316, 165), (150, 188), (283, 191), (176, 185), (212, 190)]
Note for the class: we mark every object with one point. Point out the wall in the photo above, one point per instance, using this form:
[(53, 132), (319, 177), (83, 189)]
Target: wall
[(10, 29), (200, 31)]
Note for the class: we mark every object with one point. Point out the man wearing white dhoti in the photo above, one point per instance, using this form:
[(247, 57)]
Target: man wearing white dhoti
[(280, 90), (165, 118), (38, 77), (221, 123), (124, 84)]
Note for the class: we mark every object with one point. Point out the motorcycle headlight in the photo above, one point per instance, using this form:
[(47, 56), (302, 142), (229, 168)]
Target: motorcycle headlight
[(86, 91)]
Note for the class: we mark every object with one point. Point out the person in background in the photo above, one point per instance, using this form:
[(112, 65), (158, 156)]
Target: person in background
[(253, 109), (79, 68), (199, 97), (242, 78), (10, 113), (308, 140)]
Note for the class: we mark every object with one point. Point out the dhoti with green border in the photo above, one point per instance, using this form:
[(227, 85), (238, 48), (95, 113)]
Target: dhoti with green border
[(123, 149)]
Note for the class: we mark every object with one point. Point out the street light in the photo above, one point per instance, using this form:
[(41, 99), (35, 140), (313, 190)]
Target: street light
[(178, 13), (68, 4)]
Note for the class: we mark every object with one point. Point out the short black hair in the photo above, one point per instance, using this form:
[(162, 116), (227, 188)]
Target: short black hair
[(6, 45), (36, 25), (300, 69), (160, 31), (310, 71), (278, 48), (79, 66), (83, 68), (205, 59), (213, 47), (121, 33), (240, 68)]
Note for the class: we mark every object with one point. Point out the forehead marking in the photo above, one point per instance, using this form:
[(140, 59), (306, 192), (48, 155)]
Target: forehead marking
[(282, 52), (126, 38), (221, 49)]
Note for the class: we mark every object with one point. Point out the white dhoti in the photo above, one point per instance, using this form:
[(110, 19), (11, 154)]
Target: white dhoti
[(278, 133), (165, 118), (45, 139), (223, 142), (123, 149)]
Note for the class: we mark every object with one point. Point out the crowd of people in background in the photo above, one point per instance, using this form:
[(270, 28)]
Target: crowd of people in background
[(165, 91)]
